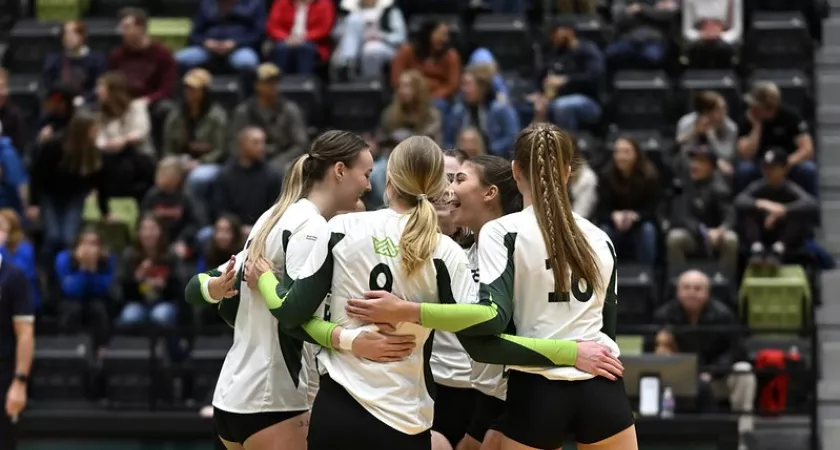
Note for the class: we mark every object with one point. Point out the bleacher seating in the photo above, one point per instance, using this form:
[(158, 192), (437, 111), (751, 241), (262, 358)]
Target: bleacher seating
[(641, 100)]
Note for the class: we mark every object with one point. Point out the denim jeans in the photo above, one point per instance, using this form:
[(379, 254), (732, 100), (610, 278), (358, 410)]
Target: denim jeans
[(242, 59), (570, 111), (804, 174), (352, 50), (163, 314), (62, 219), (624, 52), (199, 182), (301, 57), (640, 239)]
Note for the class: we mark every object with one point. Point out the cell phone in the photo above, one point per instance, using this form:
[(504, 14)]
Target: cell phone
[(650, 390)]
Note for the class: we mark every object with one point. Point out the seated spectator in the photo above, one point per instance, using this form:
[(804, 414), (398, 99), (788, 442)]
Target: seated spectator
[(471, 142), (411, 111), (720, 354), (710, 22), (776, 215), (576, 6), (369, 36), (479, 108), (627, 201), (229, 30), (702, 216), (14, 181), (14, 124), (771, 124), (85, 275), (149, 279), (227, 240), (247, 186), (16, 249), (64, 170), (642, 30), (482, 57), (76, 67), (195, 131), (301, 32), (57, 109), (583, 189), (570, 79), (279, 118), (709, 125), (177, 212), (432, 55), (123, 122)]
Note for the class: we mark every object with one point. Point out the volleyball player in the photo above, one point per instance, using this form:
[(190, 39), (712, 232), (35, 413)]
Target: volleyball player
[(554, 273), (260, 400)]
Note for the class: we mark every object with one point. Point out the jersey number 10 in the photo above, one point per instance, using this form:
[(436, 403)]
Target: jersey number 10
[(581, 296)]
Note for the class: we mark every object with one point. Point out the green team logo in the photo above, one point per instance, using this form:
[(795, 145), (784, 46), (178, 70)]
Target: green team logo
[(385, 247)]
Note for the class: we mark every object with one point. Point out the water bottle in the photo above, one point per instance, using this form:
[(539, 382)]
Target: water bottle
[(668, 403)]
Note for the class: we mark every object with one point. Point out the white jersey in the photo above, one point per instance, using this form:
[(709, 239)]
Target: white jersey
[(538, 311), (265, 370), (365, 256), (488, 379)]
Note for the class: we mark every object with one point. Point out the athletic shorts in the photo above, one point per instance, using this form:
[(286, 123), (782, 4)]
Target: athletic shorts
[(453, 409), (543, 413), (237, 428), (488, 412), (338, 421)]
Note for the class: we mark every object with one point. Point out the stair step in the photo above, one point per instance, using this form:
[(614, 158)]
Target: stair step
[(829, 176), (828, 56), (828, 115)]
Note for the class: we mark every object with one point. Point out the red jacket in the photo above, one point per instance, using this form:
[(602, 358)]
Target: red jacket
[(319, 23)]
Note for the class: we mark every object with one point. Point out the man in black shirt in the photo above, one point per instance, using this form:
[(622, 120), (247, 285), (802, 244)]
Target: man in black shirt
[(770, 124), (775, 212), (17, 344)]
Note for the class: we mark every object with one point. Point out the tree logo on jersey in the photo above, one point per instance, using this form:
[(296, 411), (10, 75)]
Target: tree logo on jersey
[(385, 247)]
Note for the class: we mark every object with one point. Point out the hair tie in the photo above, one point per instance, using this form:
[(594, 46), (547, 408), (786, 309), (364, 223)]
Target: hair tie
[(422, 197)]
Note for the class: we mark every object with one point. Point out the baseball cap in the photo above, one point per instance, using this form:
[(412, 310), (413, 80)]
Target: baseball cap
[(702, 151), (763, 93), (268, 71), (775, 157), (198, 78)]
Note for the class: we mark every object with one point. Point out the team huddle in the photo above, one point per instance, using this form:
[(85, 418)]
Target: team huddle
[(476, 311)]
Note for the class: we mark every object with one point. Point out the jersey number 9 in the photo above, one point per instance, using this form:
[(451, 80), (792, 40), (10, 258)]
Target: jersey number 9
[(580, 295), (381, 278)]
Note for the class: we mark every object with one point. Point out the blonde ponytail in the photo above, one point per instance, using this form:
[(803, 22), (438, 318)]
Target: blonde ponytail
[(420, 236), (293, 188)]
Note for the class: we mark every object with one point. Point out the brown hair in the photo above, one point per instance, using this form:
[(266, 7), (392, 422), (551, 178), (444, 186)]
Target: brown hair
[(642, 167), (162, 241), (707, 101), (496, 171), (78, 26), (416, 174), (483, 76), (543, 155), (79, 152), (119, 99), (418, 114), (16, 235), (327, 150), (138, 15)]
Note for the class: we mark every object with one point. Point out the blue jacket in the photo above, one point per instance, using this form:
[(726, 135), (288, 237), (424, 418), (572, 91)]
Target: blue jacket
[(501, 124), (244, 23), (24, 259), (80, 285), (12, 176)]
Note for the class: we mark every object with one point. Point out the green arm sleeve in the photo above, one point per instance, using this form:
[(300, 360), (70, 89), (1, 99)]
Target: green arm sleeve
[(315, 331), (478, 319), (507, 349), (227, 308)]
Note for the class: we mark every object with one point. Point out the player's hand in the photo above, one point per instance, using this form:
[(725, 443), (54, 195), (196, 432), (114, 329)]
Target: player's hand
[(382, 306), (379, 347), (15, 399), (254, 270), (596, 359), (221, 287)]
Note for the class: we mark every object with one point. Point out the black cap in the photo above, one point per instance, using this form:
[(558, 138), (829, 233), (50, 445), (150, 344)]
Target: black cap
[(702, 151), (775, 157)]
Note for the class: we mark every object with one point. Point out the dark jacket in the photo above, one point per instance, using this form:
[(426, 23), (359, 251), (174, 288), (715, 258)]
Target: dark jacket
[(177, 211), (707, 203), (51, 178), (13, 126), (716, 350), (284, 127), (77, 72), (583, 66), (245, 192), (242, 21), (136, 289), (795, 199), (639, 193)]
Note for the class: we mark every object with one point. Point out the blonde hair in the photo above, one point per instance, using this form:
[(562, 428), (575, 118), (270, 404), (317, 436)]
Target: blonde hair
[(418, 114), (327, 150), (416, 175), (170, 164), (543, 154)]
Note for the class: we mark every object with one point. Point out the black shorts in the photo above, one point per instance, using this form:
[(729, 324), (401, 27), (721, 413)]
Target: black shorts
[(488, 412), (338, 421), (543, 413), (237, 428), (453, 409)]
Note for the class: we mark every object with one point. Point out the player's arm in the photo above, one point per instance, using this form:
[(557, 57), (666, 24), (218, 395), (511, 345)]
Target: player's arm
[(197, 292)]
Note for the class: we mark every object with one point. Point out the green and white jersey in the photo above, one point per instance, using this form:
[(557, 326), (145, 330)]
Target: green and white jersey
[(486, 378), (265, 369), (515, 271)]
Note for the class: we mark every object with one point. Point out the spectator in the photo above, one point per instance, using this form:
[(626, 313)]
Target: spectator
[(177, 212), (642, 30), (432, 55), (569, 81), (14, 124), (57, 108), (720, 354), (709, 125), (65, 169), (14, 181), (279, 118), (715, 21), (85, 274), (482, 57), (576, 6), (369, 36), (229, 30), (123, 123), (771, 124), (702, 216), (411, 111), (479, 108), (471, 142), (76, 67), (776, 214), (195, 132), (627, 200), (149, 279), (16, 249), (227, 239), (301, 32), (247, 186), (583, 189)]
